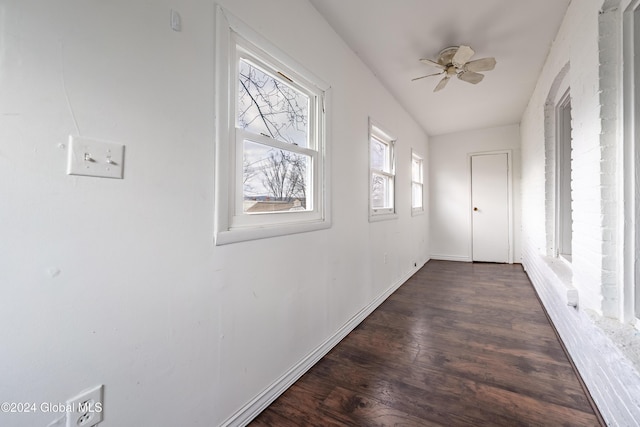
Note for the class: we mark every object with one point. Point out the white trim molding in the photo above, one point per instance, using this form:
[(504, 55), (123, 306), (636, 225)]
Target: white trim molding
[(260, 402), (237, 43), (458, 258), (629, 233), (509, 154), (612, 381)]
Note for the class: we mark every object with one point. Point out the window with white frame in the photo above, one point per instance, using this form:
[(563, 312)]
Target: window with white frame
[(417, 183), (271, 146), (564, 210), (632, 151), (631, 170), (382, 172)]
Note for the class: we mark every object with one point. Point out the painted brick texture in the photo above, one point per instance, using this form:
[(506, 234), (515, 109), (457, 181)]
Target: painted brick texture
[(589, 40)]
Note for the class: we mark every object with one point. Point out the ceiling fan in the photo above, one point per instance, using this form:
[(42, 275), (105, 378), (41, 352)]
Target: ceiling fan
[(454, 61)]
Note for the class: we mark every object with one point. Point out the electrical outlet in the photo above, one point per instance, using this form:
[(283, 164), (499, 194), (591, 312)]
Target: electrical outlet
[(85, 410)]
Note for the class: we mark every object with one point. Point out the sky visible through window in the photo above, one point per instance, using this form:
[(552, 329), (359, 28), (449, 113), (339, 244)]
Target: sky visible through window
[(380, 184), (270, 107), (416, 184)]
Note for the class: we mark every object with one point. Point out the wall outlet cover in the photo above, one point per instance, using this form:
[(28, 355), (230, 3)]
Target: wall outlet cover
[(86, 409)]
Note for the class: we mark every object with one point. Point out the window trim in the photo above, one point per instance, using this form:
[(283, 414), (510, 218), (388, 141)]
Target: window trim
[(417, 210), (630, 231), (235, 39), (379, 133), (564, 207)]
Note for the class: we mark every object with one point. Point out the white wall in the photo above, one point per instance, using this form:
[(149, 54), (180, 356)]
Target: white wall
[(589, 41), (450, 190), (118, 281)]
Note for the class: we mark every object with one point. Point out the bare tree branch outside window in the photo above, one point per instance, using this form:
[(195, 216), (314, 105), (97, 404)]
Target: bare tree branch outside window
[(271, 108), (379, 161)]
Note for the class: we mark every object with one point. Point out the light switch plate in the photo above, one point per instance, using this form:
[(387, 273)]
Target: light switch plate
[(90, 157)]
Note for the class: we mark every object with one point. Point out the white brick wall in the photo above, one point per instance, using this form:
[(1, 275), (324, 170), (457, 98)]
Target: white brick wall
[(612, 380), (610, 52), (577, 44), (590, 41)]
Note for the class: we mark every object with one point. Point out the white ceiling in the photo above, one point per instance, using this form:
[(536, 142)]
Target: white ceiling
[(390, 36)]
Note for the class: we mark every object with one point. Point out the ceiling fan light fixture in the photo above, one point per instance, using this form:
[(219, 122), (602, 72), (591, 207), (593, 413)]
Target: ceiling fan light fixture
[(455, 60)]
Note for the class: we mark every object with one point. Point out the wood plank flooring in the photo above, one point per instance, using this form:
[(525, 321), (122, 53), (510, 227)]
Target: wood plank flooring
[(459, 344)]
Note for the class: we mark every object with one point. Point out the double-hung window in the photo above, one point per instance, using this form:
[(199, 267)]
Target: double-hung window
[(272, 147), (381, 173), (417, 184)]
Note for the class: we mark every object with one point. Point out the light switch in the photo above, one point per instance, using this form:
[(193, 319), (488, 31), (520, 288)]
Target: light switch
[(90, 157)]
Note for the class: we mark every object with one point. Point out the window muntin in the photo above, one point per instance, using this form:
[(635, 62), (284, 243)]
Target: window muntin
[(382, 172), (417, 183)]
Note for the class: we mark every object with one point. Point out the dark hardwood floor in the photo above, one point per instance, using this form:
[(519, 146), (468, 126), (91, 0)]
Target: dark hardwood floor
[(459, 344)]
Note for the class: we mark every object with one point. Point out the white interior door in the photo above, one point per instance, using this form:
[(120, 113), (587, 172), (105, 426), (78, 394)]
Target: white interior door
[(490, 204)]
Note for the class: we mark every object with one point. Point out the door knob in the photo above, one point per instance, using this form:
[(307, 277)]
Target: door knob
[(475, 209)]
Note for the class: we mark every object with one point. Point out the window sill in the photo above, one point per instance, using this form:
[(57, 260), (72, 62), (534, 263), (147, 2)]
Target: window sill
[(382, 217), (417, 212), (255, 233), (565, 258), (564, 274)]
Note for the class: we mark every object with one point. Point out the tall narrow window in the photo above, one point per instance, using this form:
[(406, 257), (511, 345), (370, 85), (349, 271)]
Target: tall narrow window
[(382, 172), (564, 215), (272, 140), (417, 186), (631, 156)]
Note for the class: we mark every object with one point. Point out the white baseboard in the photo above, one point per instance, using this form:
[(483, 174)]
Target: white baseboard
[(259, 403), (451, 258), (612, 381)]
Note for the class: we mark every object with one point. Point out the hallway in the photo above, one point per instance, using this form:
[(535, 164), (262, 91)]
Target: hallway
[(458, 344)]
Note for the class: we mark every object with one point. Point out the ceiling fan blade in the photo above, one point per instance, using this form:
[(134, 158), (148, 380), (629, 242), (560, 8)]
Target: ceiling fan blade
[(463, 54), (442, 83), (428, 75), (471, 77), (432, 63), (484, 64)]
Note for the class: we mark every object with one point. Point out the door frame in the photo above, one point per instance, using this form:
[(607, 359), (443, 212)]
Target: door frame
[(509, 154)]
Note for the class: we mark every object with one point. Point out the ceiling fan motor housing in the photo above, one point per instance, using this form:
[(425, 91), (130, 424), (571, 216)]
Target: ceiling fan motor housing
[(446, 55)]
